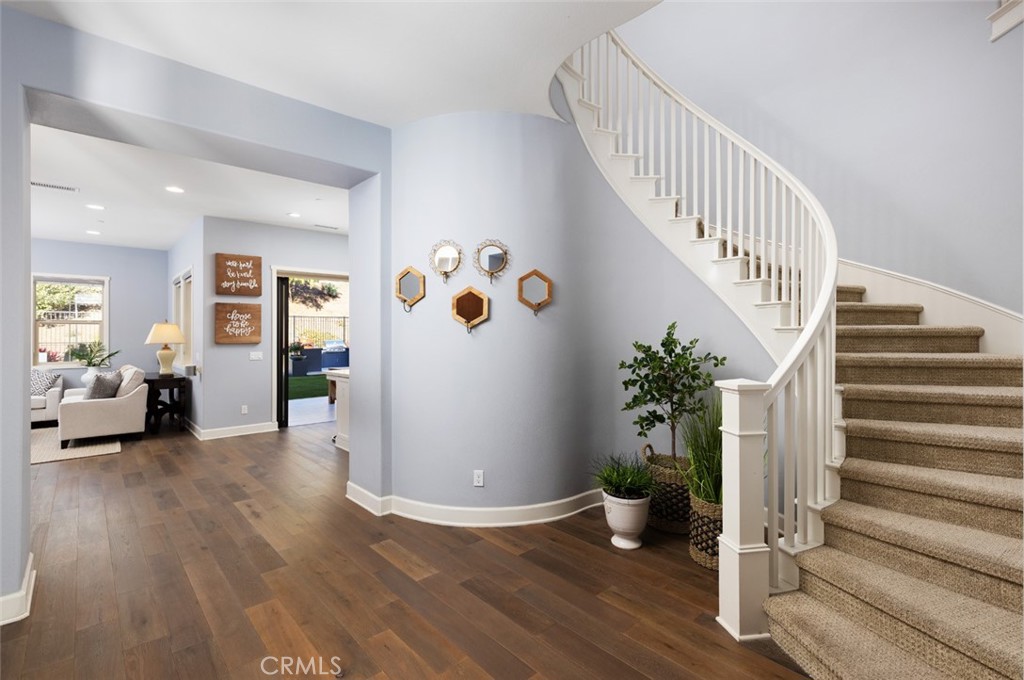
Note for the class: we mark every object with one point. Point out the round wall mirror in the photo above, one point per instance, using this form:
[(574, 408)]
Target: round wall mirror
[(492, 258), (535, 290), (445, 258), (410, 287)]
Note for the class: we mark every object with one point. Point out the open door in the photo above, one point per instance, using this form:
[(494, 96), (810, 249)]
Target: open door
[(281, 338)]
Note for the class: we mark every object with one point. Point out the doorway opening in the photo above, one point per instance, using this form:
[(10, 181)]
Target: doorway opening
[(313, 336)]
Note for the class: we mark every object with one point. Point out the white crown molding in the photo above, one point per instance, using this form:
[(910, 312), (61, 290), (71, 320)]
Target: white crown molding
[(459, 516), (17, 605)]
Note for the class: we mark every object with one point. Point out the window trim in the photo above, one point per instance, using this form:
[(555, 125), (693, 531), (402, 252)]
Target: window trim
[(182, 303), (44, 277)]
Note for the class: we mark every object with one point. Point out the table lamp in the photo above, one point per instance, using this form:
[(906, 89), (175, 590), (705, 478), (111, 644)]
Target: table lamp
[(165, 334)]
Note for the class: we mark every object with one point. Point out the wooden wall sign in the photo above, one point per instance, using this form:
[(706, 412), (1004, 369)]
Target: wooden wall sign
[(237, 324), (238, 275)]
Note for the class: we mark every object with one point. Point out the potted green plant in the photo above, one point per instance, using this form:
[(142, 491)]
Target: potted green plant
[(667, 383), (92, 355), (295, 350), (626, 484), (703, 434)]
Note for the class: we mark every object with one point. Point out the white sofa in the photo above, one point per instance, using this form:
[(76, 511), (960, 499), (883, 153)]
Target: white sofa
[(124, 413), (45, 407)]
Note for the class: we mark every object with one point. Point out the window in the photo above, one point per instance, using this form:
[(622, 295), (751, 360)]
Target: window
[(69, 312), (181, 307)]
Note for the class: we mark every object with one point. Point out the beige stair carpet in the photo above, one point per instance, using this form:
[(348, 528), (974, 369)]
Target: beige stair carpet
[(921, 572)]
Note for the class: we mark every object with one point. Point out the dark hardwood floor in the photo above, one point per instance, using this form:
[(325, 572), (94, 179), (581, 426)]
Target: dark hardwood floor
[(198, 560)]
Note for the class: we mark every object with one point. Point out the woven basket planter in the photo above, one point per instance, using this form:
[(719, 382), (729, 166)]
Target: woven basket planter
[(705, 528), (670, 503)]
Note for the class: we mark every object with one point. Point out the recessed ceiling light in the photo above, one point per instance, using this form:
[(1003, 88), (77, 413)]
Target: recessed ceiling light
[(92, 232), (93, 206), (175, 190), (294, 214)]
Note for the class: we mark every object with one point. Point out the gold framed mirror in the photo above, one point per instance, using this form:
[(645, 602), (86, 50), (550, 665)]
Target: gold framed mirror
[(470, 307), (445, 259), (535, 290), (491, 258), (410, 287)]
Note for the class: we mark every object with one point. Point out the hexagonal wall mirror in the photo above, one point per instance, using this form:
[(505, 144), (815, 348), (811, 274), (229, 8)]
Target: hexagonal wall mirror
[(410, 287), (470, 307), (535, 290)]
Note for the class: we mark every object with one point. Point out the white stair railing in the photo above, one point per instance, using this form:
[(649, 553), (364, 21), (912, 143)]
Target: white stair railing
[(778, 455)]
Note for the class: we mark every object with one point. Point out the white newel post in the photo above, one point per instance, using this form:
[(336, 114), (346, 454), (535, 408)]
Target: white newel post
[(742, 552)]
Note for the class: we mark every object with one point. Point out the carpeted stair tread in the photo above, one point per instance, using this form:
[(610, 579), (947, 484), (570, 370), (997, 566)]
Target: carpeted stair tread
[(999, 556), (880, 306), (850, 293), (929, 368), (990, 490), (936, 359), (948, 404), (1003, 439), (829, 645), (987, 395), (896, 330), (989, 634)]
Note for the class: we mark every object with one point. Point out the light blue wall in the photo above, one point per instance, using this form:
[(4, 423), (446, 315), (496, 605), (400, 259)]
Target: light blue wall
[(530, 400), (229, 378), (186, 254), (192, 112), (138, 290), (901, 117)]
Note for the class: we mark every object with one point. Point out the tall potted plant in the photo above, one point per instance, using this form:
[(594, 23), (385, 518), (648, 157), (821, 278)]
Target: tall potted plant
[(667, 383), (703, 435), (626, 485)]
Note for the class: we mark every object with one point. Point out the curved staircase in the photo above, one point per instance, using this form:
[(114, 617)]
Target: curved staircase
[(899, 502), (920, 575)]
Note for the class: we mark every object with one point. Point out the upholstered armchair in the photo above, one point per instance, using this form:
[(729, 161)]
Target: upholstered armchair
[(123, 413), (44, 407)]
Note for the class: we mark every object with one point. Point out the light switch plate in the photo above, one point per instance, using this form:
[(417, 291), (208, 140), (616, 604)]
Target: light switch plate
[(255, 356)]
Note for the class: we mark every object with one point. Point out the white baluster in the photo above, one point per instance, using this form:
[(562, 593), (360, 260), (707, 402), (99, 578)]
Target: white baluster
[(789, 477), (773, 497)]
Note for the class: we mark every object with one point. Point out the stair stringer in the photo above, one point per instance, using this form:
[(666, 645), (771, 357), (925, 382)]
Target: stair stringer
[(680, 234)]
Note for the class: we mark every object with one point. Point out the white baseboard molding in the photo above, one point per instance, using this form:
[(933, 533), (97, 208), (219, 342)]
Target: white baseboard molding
[(458, 516), (1004, 329), (237, 431), (17, 605), (341, 441)]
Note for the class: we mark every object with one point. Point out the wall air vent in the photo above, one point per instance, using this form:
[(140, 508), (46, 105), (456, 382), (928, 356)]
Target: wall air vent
[(56, 187)]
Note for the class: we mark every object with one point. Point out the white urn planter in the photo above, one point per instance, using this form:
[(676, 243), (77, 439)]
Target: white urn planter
[(627, 518), (89, 375)]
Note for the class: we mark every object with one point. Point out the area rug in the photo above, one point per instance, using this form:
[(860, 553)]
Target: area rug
[(46, 447)]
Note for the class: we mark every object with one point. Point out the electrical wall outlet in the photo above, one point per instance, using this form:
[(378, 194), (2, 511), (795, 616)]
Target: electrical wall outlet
[(245, 409), (478, 477)]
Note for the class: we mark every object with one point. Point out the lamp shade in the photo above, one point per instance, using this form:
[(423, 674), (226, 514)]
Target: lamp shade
[(165, 334)]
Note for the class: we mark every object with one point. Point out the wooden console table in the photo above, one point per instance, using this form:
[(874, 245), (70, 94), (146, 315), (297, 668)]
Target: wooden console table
[(178, 403)]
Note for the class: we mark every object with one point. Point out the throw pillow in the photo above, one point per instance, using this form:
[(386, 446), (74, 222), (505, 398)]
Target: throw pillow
[(41, 381), (104, 386), (131, 377)]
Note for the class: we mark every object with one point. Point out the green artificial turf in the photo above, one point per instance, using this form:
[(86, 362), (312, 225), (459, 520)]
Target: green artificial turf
[(303, 387)]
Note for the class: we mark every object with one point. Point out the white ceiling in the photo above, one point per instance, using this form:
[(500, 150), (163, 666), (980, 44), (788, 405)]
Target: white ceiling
[(384, 62), (129, 182)]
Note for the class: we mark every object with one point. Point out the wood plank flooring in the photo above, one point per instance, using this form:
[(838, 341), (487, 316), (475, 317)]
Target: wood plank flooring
[(188, 560)]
